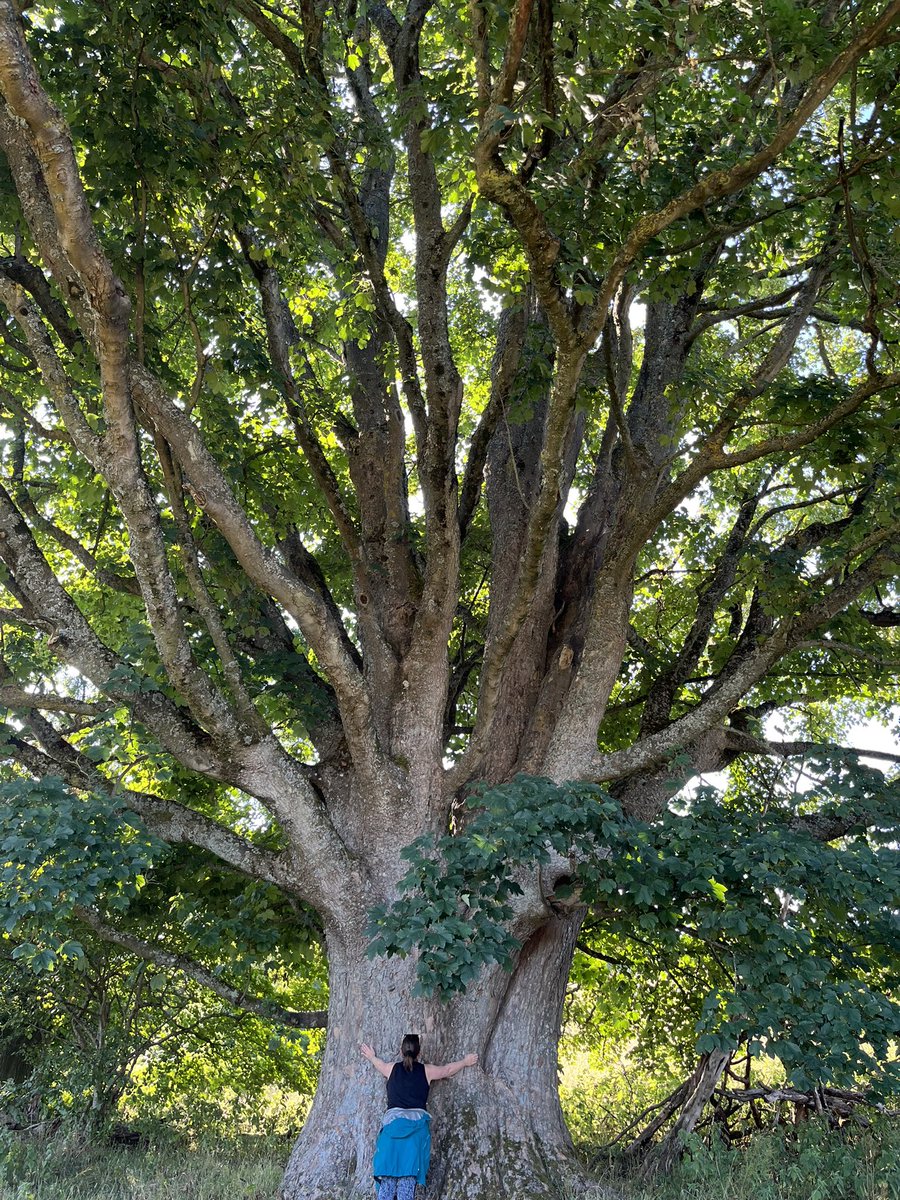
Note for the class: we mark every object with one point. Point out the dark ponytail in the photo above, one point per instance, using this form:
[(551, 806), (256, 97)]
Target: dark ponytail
[(410, 1050)]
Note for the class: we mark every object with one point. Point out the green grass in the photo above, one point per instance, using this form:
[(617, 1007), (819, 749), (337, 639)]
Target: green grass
[(816, 1165), (72, 1169), (819, 1165)]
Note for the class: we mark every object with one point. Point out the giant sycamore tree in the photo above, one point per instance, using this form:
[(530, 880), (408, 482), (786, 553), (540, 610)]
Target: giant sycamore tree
[(423, 420)]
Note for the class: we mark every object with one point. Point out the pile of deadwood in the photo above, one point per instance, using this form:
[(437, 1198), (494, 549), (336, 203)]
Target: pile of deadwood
[(765, 1108), (719, 1100)]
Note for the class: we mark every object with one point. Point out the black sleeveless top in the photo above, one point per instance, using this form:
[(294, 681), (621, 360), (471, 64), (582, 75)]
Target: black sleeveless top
[(407, 1089)]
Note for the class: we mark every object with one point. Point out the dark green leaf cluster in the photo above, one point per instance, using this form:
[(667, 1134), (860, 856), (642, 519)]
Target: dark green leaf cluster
[(458, 895), (779, 939), (244, 927), (60, 850)]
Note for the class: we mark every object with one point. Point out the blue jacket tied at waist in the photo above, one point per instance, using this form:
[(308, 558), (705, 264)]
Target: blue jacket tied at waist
[(404, 1145)]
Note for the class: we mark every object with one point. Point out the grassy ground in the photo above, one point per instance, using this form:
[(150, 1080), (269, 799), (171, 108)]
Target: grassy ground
[(71, 1169), (818, 1166)]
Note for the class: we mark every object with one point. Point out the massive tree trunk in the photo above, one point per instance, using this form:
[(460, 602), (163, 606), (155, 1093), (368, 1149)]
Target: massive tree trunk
[(498, 1130)]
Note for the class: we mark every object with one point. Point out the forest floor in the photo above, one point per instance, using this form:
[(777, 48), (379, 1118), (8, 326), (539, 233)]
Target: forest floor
[(814, 1166)]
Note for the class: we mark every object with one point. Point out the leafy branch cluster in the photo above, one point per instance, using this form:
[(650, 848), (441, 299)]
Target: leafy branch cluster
[(459, 892), (62, 850), (769, 936)]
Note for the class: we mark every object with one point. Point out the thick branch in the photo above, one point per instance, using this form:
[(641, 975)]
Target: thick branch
[(747, 744), (176, 824), (830, 828), (207, 608), (171, 822), (282, 335), (126, 584), (153, 952), (372, 255), (29, 102), (273, 35), (17, 697), (425, 661), (74, 642), (716, 185), (762, 306), (26, 275), (318, 623), (116, 454), (885, 618), (510, 341), (512, 57), (547, 505), (730, 687), (52, 372), (712, 457)]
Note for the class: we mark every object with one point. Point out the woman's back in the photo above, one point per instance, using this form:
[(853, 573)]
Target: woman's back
[(407, 1089)]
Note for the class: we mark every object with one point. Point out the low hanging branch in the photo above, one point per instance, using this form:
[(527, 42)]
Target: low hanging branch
[(267, 1009)]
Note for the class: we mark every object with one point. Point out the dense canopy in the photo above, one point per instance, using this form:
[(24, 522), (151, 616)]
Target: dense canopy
[(402, 402)]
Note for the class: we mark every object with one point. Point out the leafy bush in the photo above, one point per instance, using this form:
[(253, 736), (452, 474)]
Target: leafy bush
[(603, 1091), (817, 1164)]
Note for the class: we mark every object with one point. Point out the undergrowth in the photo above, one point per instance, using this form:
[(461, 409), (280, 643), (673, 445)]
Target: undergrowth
[(69, 1167), (814, 1164)]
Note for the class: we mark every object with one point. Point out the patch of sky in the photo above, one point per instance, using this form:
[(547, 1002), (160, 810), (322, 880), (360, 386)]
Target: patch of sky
[(573, 503)]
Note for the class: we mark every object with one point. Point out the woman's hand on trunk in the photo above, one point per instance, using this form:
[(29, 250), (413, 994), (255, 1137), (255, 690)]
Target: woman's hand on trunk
[(383, 1067)]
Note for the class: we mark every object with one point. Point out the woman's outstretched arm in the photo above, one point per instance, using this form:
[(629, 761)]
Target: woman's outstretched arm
[(377, 1063), (449, 1069)]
